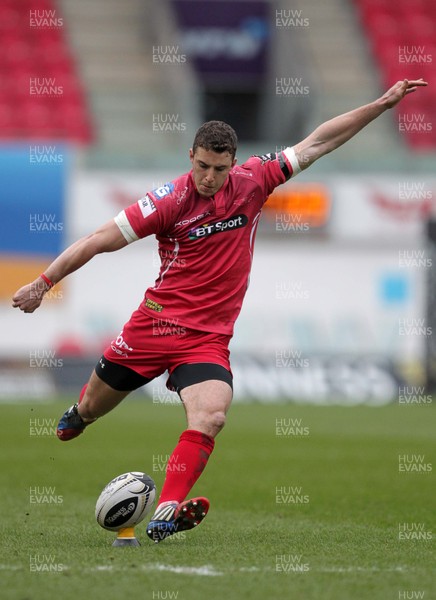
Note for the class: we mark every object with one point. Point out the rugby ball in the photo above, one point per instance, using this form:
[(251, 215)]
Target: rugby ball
[(125, 501)]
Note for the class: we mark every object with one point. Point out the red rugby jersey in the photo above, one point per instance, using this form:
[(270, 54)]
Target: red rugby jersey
[(205, 244)]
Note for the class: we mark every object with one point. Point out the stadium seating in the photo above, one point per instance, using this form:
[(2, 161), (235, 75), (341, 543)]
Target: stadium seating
[(402, 36), (35, 49)]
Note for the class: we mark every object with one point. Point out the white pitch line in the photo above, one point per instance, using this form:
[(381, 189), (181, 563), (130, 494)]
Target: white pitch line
[(210, 571), (361, 569), (206, 570)]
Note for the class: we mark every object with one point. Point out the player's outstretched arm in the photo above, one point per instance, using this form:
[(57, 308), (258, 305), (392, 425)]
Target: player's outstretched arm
[(332, 134), (106, 239)]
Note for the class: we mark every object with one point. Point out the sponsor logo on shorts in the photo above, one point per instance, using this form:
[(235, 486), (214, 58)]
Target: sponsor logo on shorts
[(163, 191), (219, 227), (120, 347), (153, 305), (147, 206)]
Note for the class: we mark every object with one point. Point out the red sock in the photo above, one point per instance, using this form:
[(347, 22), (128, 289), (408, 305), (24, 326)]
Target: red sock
[(186, 464), (82, 393)]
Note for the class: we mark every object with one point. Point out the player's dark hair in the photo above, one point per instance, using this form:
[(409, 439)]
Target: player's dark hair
[(216, 136)]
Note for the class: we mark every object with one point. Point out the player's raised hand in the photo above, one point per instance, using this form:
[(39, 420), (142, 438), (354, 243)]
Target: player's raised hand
[(400, 89), (30, 296)]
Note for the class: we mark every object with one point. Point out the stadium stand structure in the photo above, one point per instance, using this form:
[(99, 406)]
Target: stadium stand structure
[(342, 73), (402, 37), (114, 48), (41, 95), (106, 48), (114, 43)]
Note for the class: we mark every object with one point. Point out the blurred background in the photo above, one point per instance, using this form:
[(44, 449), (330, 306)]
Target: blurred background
[(100, 101)]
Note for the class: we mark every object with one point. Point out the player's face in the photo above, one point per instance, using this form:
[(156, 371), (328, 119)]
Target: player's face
[(210, 170)]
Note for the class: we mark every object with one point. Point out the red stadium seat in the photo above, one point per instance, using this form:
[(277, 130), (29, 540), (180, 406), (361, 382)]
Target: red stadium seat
[(17, 52), (370, 7), (430, 7), (410, 7), (421, 28), (379, 23), (7, 117), (9, 17)]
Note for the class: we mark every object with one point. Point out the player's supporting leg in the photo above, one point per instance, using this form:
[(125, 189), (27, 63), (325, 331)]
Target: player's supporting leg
[(96, 399), (206, 405)]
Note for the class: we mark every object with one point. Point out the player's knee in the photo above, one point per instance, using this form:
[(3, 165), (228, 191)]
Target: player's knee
[(210, 423), (217, 420)]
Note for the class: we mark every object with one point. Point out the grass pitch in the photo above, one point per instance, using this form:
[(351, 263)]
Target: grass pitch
[(310, 509)]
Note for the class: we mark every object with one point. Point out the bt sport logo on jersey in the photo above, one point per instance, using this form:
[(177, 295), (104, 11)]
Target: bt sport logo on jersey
[(219, 227)]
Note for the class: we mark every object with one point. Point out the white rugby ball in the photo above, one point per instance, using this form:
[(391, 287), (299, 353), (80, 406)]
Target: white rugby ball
[(125, 501)]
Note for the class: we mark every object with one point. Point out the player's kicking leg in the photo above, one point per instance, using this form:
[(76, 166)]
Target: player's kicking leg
[(96, 399), (206, 404), (108, 385)]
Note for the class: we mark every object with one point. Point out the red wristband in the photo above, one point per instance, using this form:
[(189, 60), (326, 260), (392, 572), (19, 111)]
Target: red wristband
[(47, 280)]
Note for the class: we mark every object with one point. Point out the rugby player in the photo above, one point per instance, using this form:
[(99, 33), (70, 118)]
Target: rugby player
[(205, 222)]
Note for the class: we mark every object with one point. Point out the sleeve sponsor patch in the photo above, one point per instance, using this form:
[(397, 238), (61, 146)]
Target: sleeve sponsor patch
[(163, 191), (146, 205), (270, 156), (266, 157)]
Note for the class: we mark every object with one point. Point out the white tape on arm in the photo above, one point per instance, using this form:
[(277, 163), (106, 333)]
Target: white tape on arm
[(126, 229), (292, 157)]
